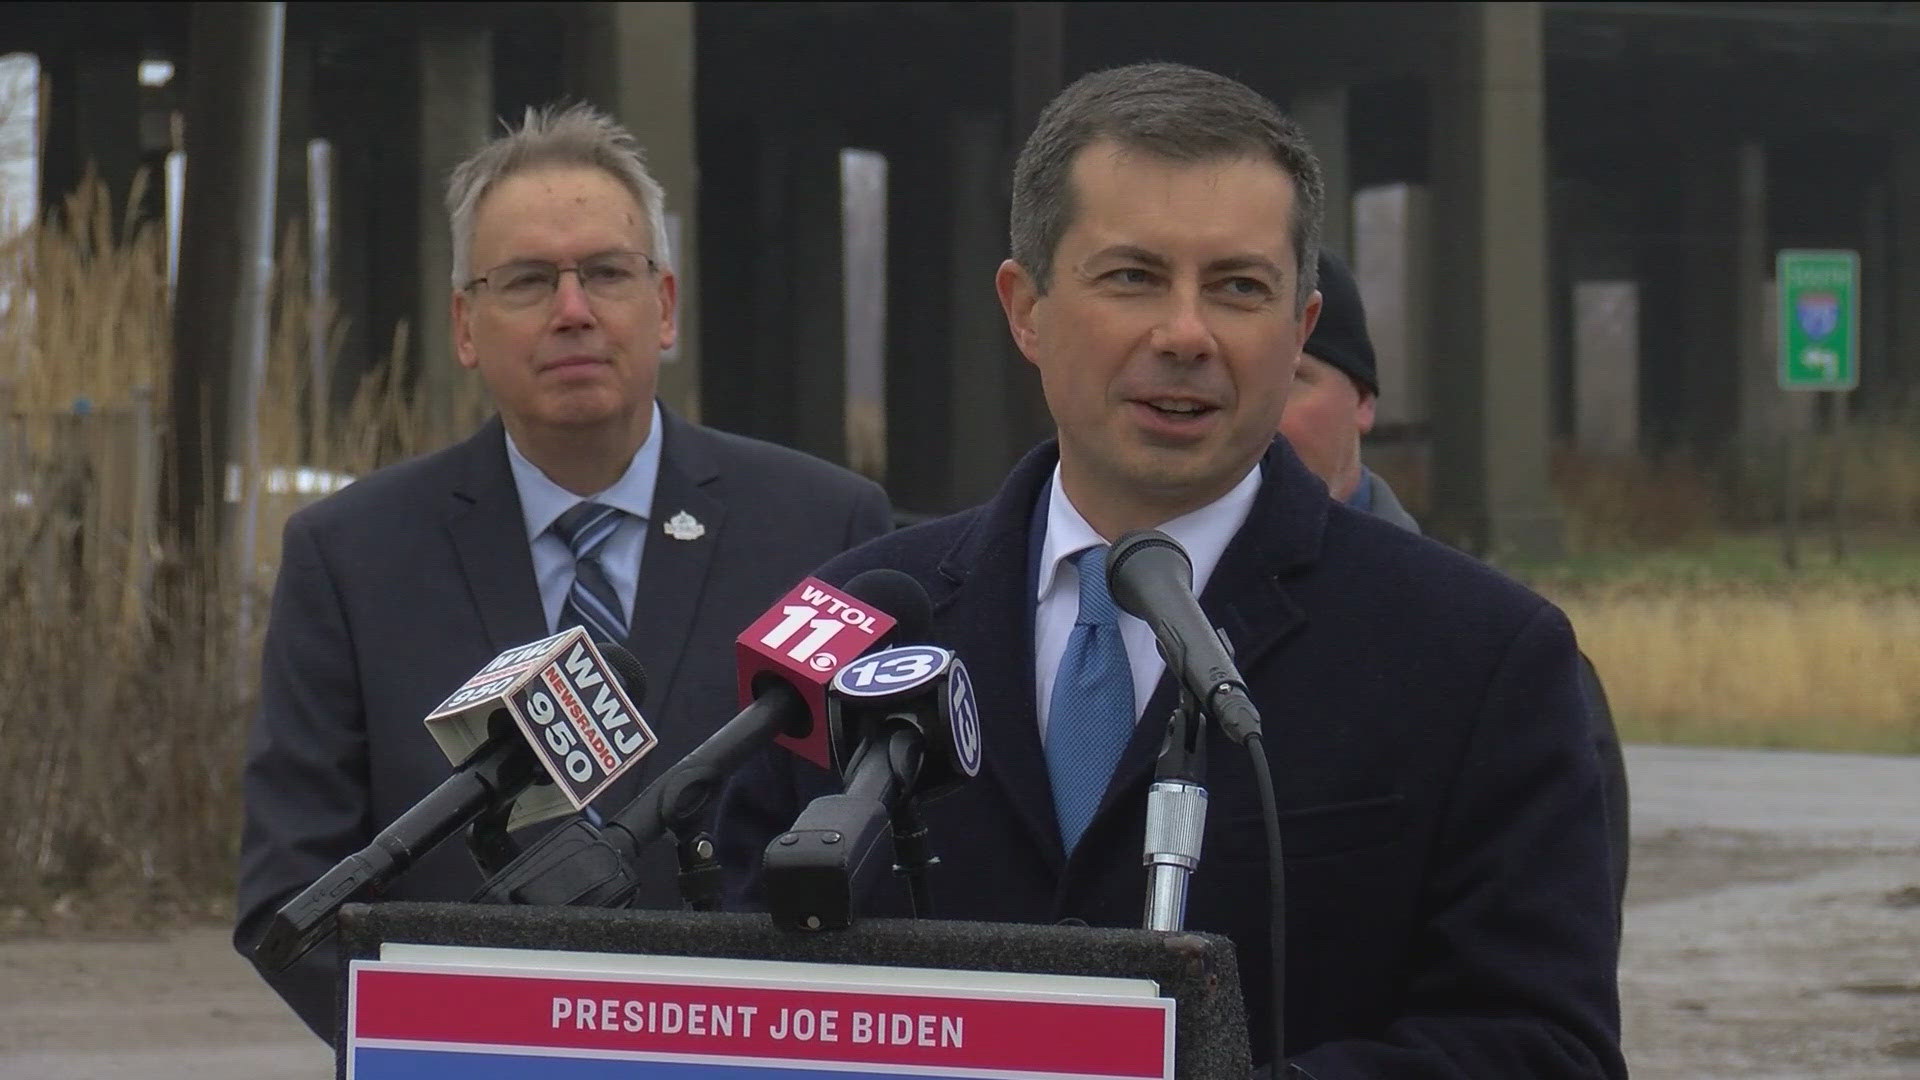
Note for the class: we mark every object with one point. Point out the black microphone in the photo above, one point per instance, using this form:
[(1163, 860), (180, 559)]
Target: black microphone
[(581, 865), (905, 728), (553, 710), (1151, 578)]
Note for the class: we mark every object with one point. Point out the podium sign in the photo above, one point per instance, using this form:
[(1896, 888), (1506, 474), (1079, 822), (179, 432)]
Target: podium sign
[(426, 1012)]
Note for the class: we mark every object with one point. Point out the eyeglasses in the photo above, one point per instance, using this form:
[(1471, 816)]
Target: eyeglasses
[(612, 275)]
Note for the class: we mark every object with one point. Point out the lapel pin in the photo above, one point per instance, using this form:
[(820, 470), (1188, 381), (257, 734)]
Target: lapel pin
[(684, 526)]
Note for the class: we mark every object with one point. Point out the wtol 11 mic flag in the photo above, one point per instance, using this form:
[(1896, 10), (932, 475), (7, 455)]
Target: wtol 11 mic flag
[(802, 640), (553, 709)]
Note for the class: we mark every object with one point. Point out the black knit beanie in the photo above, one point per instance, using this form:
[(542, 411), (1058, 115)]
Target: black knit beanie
[(1340, 337)]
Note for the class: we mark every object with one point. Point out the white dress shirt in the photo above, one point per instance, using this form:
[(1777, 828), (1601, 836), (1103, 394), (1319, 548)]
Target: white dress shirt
[(1203, 532)]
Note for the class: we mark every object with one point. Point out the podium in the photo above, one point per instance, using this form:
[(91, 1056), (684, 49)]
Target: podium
[(485, 992)]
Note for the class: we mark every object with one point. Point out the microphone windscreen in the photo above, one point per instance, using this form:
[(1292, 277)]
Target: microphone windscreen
[(633, 676), (1142, 561), (900, 596)]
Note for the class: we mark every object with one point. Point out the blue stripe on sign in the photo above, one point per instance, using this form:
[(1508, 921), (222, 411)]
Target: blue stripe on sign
[(389, 1064)]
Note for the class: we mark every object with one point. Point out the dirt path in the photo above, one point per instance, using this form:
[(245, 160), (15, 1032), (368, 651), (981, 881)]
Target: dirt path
[(1773, 932), (1773, 917)]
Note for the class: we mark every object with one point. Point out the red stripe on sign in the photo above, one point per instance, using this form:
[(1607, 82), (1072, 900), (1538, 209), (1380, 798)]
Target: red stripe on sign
[(807, 1025)]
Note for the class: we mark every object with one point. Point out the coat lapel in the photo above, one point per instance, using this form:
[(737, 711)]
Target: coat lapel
[(674, 564), (987, 619), (489, 535)]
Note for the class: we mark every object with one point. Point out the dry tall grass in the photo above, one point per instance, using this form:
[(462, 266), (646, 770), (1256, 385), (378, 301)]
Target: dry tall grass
[(1700, 638), (1828, 669), (121, 734), (118, 733), (88, 318)]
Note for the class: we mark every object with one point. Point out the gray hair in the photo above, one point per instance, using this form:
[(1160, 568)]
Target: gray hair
[(1170, 111), (564, 136)]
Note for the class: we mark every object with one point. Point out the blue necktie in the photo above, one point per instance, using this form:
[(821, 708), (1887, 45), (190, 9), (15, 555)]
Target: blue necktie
[(591, 601), (1090, 714)]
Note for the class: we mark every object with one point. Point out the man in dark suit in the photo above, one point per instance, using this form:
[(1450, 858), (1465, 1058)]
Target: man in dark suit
[(1447, 905), (584, 502)]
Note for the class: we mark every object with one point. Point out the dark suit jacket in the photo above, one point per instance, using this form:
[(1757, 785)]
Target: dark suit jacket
[(1606, 737), (1447, 902), (396, 589)]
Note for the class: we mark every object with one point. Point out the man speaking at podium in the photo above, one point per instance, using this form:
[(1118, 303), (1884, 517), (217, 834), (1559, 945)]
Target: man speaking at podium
[(1447, 901), (584, 502)]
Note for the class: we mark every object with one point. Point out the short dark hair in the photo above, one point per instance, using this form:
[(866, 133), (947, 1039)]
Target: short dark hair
[(1171, 111)]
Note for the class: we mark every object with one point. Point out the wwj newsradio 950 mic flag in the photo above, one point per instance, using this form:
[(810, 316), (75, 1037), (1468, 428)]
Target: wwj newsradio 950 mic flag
[(568, 703)]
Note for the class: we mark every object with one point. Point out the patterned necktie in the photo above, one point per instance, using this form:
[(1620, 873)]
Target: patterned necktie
[(591, 602), (1090, 715)]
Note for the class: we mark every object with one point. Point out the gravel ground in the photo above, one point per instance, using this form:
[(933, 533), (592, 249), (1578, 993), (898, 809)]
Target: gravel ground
[(1773, 916), (1772, 932)]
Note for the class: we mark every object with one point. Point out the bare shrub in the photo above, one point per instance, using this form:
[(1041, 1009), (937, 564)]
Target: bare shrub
[(1621, 503), (131, 689)]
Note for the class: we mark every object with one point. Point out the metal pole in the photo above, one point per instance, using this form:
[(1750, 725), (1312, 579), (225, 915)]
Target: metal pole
[(319, 302), (1837, 402), (261, 164), (225, 274), (1790, 511)]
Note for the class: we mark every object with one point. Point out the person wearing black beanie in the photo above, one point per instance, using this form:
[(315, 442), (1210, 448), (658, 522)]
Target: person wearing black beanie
[(1332, 401)]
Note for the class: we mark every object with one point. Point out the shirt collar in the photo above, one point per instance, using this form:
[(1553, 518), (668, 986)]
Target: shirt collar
[(1204, 533), (542, 501), (1362, 497)]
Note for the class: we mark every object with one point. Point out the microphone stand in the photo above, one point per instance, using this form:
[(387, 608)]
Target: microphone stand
[(912, 854), (1176, 816), (817, 870), (700, 880)]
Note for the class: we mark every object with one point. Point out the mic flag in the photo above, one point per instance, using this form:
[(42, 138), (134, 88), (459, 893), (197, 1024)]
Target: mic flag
[(802, 641), (571, 708), (924, 686)]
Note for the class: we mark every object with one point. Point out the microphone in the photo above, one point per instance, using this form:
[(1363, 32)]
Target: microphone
[(552, 710), (905, 727), (802, 640), (1151, 578), (579, 864), (1158, 578)]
